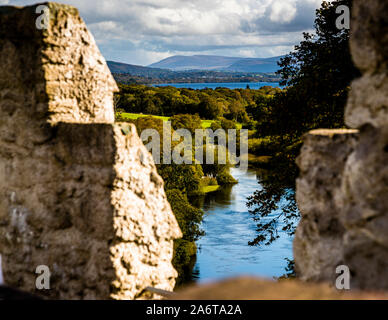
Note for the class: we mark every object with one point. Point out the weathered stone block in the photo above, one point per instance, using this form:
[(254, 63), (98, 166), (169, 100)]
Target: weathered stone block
[(370, 108), (369, 35), (78, 193), (368, 101), (61, 65), (318, 242)]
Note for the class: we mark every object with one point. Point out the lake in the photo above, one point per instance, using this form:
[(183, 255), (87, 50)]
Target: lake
[(224, 251), (230, 85)]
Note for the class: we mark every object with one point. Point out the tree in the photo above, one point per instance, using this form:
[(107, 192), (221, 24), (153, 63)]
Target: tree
[(228, 124), (210, 107), (188, 216), (186, 121), (318, 75), (237, 111), (180, 181)]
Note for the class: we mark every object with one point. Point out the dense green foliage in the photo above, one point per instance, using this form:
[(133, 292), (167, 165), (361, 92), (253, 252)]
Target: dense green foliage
[(189, 218), (124, 117), (318, 74), (186, 121), (206, 103)]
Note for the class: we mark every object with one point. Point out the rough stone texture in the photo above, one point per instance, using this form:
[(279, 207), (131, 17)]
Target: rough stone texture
[(361, 188), (61, 65), (368, 102), (364, 197), (319, 236), (77, 192)]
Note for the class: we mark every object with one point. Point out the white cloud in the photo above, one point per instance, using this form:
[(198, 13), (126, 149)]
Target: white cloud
[(283, 11), (143, 31)]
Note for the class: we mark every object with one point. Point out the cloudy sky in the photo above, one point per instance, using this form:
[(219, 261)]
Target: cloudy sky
[(146, 31)]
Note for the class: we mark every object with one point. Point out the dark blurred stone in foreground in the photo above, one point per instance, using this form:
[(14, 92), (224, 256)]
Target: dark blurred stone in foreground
[(249, 288), (7, 293)]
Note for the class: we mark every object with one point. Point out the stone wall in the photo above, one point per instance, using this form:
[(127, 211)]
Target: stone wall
[(318, 240), (342, 190), (78, 193)]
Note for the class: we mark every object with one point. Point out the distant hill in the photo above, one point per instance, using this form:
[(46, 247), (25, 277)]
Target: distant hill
[(139, 71), (266, 65), (197, 62), (219, 63)]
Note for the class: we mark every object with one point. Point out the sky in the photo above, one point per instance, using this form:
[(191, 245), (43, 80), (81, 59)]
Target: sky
[(145, 31)]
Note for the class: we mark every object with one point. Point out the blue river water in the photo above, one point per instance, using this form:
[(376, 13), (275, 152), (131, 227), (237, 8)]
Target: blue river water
[(224, 251), (230, 85)]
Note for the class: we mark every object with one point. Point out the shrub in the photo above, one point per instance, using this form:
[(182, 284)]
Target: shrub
[(228, 124), (186, 121), (225, 178), (260, 146)]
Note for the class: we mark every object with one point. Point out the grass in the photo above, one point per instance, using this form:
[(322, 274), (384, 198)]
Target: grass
[(133, 116), (258, 161), (206, 123), (209, 189)]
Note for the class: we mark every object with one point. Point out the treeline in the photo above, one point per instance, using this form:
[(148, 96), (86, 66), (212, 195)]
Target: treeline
[(194, 77), (207, 103)]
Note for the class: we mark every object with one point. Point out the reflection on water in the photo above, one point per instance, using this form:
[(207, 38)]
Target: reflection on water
[(224, 252)]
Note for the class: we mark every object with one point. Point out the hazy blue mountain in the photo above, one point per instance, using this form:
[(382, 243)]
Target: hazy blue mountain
[(197, 62), (266, 65), (207, 62), (129, 73)]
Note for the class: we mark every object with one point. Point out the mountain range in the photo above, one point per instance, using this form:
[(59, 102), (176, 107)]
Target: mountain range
[(198, 62), (219, 63)]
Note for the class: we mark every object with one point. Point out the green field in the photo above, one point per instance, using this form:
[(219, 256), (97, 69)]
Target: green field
[(206, 123), (209, 189), (134, 116)]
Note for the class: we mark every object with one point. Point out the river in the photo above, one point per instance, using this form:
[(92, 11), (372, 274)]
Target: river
[(224, 252)]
